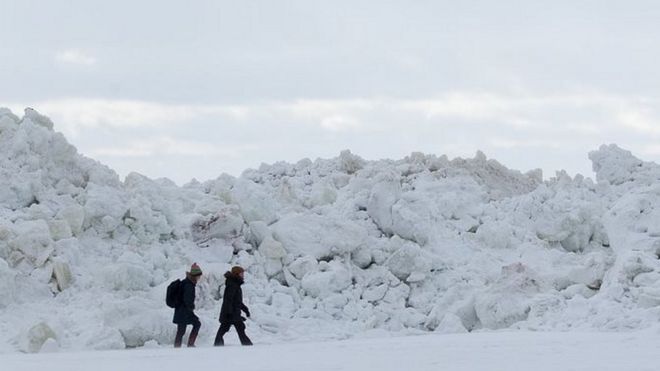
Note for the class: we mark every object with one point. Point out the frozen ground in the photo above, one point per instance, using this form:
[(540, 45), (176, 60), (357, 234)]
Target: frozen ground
[(499, 351), (334, 248)]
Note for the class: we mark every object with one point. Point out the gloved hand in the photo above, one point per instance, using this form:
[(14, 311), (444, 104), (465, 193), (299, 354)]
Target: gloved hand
[(243, 319), (247, 312)]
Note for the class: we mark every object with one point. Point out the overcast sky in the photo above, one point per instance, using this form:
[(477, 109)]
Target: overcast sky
[(184, 89)]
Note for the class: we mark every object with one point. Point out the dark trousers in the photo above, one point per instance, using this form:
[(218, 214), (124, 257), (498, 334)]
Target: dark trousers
[(181, 330), (240, 329)]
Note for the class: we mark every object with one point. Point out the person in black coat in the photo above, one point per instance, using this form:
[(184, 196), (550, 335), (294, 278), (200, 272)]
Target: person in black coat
[(184, 314), (232, 305)]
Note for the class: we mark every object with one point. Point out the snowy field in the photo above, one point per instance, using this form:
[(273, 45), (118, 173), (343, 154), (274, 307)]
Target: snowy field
[(501, 351), (334, 249)]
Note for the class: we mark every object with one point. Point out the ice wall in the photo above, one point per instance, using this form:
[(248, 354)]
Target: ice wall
[(333, 247)]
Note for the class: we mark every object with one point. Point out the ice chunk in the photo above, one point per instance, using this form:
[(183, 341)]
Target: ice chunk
[(383, 196), (334, 279), (126, 276), (59, 229), (323, 193), (34, 338), (259, 231), (349, 162), (33, 241), (139, 323), (318, 236), (255, 204), (613, 164), (37, 118), (62, 274), (226, 223), (407, 259), (508, 301), (7, 277), (272, 249), (75, 216), (303, 265)]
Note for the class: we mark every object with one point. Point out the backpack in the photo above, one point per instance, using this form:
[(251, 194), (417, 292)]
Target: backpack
[(173, 296)]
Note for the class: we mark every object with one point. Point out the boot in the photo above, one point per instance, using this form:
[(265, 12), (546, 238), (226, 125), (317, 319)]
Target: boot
[(191, 340), (219, 341), (193, 333), (178, 339), (245, 340)]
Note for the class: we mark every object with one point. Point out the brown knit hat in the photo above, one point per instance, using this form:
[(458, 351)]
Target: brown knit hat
[(236, 270)]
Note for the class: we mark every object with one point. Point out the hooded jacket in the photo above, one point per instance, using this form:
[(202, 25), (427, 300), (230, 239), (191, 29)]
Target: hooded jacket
[(232, 300)]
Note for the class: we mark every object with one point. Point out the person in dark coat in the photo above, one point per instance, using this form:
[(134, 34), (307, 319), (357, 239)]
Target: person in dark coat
[(184, 314), (232, 305)]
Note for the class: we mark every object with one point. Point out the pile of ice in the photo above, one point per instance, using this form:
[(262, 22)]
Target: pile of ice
[(333, 248)]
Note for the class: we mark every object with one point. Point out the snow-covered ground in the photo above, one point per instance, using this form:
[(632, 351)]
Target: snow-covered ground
[(500, 351), (334, 248)]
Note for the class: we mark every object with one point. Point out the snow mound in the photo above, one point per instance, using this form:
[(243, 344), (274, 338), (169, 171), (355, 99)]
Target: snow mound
[(332, 247)]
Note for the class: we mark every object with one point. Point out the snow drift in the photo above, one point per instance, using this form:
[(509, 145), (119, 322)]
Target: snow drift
[(332, 248)]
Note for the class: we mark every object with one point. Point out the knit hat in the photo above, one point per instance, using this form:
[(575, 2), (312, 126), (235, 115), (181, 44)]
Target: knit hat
[(195, 270), (236, 270)]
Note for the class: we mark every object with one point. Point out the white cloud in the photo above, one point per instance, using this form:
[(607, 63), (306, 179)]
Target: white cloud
[(514, 110), (75, 56), (640, 119), (653, 150), (356, 115), (305, 107), (513, 143), (76, 114), (170, 146), (339, 123), (466, 105)]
